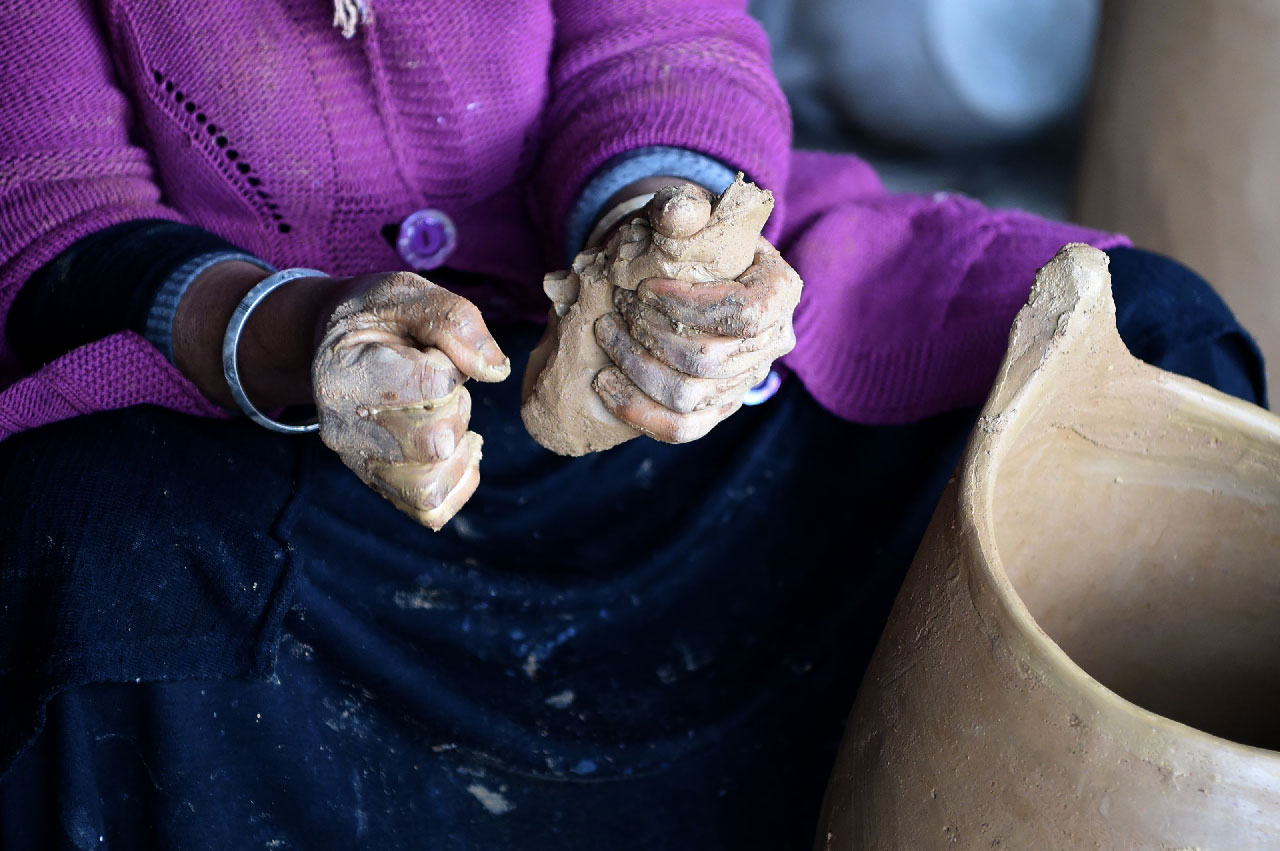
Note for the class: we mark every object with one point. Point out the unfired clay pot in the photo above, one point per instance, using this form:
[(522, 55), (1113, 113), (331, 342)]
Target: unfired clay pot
[(1086, 652)]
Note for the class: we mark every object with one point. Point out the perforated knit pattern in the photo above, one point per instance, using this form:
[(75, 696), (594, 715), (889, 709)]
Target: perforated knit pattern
[(496, 111)]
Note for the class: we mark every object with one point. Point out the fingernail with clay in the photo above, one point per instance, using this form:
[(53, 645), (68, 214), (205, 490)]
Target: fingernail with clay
[(607, 329), (489, 350), (494, 366), (607, 384)]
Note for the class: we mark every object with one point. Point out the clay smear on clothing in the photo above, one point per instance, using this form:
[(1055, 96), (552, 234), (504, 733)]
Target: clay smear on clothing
[(561, 409)]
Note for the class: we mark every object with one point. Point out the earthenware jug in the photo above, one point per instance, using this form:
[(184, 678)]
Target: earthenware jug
[(1086, 651)]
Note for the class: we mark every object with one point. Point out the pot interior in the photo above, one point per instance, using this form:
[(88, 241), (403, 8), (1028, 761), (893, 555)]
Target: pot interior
[(1148, 549)]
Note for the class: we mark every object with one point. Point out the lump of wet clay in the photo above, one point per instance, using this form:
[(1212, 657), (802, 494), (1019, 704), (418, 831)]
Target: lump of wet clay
[(702, 240)]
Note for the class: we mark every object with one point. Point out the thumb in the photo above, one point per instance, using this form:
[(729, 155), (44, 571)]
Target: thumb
[(454, 325), (679, 212)]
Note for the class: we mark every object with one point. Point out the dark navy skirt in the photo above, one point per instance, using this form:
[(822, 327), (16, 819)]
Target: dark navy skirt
[(216, 637)]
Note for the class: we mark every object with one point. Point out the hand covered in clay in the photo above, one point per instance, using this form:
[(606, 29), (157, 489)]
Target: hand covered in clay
[(686, 352), (388, 380)]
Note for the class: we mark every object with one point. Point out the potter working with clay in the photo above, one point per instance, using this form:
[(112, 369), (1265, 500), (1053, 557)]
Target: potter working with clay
[(622, 598), (709, 297)]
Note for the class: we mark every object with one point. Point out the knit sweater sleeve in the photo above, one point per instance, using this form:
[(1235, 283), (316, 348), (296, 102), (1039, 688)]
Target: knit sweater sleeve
[(68, 168), (634, 73)]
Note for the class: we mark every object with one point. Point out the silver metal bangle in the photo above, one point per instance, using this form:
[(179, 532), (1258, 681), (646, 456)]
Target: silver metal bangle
[(231, 342)]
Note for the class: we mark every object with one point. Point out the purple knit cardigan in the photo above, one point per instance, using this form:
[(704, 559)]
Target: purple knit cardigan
[(257, 120)]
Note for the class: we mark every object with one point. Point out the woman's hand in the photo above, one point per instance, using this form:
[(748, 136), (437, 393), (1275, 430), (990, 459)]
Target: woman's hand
[(687, 353), (388, 379)]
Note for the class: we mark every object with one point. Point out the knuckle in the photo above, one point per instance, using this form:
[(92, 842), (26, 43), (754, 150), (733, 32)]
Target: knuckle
[(394, 291), (686, 396), (751, 320), (389, 283), (406, 280), (461, 416), (707, 361), (433, 382), (794, 284), (439, 439), (693, 363), (460, 313)]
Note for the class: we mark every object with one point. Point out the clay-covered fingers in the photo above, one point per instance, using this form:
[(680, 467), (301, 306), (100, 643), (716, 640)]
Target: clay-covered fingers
[(433, 316), (388, 402), (432, 493), (632, 405), (386, 374), (388, 380), (698, 353), (670, 387), (759, 299), (428, 434)]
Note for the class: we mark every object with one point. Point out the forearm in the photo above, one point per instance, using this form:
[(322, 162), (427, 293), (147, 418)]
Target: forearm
[(136, 277), (278, 343)]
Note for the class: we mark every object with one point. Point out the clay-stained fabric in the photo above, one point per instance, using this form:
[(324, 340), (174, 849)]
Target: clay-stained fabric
[(677, 636)]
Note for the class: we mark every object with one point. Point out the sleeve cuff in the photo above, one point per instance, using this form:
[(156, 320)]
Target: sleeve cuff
[(159, 325), (109, 281), (627, 168)]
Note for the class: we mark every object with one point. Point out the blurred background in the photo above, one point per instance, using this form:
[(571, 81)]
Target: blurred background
[(1154, 118)]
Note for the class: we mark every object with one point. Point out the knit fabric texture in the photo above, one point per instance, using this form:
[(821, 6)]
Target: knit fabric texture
[(261, 123)]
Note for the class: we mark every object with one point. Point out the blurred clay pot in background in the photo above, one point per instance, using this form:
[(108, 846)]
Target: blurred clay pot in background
[(1181, 146), (1086, 652), (942, 74)]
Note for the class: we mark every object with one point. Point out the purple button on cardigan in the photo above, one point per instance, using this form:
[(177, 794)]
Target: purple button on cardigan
[(426, 239)]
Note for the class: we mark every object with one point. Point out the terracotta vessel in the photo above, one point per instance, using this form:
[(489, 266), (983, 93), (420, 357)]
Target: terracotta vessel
[(1086, 652), (1180, 145)]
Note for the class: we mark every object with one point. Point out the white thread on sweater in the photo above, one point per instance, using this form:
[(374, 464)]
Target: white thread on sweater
[(349, 14)]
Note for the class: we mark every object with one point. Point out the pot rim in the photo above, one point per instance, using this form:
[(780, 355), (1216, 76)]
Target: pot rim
[(1003, 420)]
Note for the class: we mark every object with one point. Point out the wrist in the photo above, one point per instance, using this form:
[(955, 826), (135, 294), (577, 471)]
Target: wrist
[(340, 291), (618, 179), (624, 204), (277, 344), (647, 186)]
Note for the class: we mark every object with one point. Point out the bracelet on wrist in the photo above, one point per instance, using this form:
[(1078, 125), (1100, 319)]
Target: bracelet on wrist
[(231, 343)]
